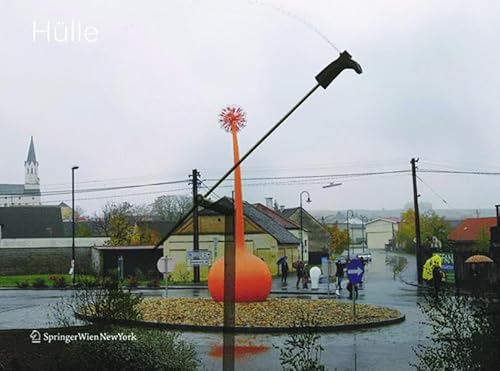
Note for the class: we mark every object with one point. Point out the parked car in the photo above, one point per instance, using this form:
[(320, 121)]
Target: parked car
[(367, 256)]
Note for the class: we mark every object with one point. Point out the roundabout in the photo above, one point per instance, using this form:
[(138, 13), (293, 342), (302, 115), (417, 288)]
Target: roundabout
[(275, 315)]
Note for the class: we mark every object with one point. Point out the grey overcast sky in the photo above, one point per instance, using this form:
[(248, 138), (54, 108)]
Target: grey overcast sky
[(140, 104)]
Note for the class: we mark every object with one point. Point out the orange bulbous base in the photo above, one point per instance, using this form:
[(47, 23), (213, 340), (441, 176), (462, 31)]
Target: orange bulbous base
[(253, 279)]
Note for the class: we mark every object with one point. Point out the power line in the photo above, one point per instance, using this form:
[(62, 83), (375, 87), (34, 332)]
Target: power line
[(340, 175), (432, 190), (113, 188), (440, 171), (124, 195)]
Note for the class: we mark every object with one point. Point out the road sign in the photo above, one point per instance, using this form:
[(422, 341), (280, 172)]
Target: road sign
[(355, 271), (164, 268), (199, 257)]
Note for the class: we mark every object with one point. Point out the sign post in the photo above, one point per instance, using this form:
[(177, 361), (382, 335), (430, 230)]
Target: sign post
[(355, 271), (165, 265), (325, 265), (199, 257)]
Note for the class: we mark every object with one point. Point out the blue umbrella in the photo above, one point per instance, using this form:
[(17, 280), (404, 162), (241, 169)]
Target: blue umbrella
[(281, 260)]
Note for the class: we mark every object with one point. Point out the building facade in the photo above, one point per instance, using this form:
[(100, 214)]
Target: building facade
[(316, 240), (264, 237), (381, 232), (27, 194)]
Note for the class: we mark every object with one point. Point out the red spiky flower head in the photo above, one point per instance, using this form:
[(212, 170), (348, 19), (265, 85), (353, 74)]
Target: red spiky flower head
[(232, 117)]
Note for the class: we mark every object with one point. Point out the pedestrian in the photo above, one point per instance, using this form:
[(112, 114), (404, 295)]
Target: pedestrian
[(305, 276), (299, 267), (339, 273), (284, 270), (363, 263), (437, 277), (350, 288)]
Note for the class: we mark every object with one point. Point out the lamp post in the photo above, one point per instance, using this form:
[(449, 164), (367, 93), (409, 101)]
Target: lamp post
[(364, 220), (73, 265), (349, 234), (301, 224)]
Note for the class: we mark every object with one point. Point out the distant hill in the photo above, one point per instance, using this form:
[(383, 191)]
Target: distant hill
[(450, 214)]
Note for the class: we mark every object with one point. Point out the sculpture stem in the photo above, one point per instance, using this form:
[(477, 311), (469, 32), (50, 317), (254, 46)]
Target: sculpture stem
[(239, 226)]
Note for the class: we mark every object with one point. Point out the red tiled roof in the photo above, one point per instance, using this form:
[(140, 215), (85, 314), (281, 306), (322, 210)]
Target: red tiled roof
[(469, 229), (284, 222)]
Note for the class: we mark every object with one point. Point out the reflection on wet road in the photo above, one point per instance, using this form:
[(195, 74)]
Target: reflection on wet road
[(386, 348)]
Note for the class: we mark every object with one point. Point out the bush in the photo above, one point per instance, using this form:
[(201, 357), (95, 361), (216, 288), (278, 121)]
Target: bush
[(181, 273), (107, 303), (88, 281), (39, 283), (140, 276), (151, 274), (58, 281), (132, 281), (153, 350), (23, 284), (153, 283), (97, 298)]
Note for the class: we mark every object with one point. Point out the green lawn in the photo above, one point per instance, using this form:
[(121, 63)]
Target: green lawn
[(11, 281)]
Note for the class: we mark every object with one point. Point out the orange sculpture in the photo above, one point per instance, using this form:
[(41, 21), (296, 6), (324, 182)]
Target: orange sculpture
[(253, 278)]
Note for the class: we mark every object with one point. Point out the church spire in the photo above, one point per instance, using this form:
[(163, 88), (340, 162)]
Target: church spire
[(31, 179), (31, 153)]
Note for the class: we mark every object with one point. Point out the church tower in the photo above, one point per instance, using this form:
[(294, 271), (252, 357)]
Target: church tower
[(31, 179)]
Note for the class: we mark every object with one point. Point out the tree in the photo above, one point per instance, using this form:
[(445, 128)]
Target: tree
[(434, 225), (406, 230), (82, 229), (483, 241), (339, 240), (117, 221), (431, 225), (171, 208)]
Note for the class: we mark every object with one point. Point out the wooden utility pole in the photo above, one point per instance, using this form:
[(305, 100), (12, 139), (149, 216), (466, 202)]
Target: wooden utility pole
[(196, 237), (418, 246)]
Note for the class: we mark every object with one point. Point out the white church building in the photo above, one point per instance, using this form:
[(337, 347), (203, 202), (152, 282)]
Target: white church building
[(27, 193)]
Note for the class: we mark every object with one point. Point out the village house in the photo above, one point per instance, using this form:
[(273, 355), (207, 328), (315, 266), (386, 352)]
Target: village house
[(381, 233), (473, 237), (317, 239), (264, 237)]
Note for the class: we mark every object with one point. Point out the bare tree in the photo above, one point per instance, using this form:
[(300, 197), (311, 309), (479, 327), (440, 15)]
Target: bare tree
[(172, 207)]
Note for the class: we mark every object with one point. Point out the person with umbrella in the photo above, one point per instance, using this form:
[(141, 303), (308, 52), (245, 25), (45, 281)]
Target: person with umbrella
[(283, 267)]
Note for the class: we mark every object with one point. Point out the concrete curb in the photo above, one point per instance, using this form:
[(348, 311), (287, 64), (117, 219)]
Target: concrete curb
[(248, 330), (276, 292)]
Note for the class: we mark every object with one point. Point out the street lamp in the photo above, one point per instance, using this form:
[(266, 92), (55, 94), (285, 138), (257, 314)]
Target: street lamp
[(332, 184), (364, 220), (349, 233), (73, 222), (301, 222)]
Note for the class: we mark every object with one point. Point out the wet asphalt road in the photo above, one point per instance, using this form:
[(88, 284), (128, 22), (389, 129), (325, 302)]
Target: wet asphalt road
[(387, 348)]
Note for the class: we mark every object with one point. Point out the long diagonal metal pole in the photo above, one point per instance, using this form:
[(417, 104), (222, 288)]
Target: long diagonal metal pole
[(243, 158)]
